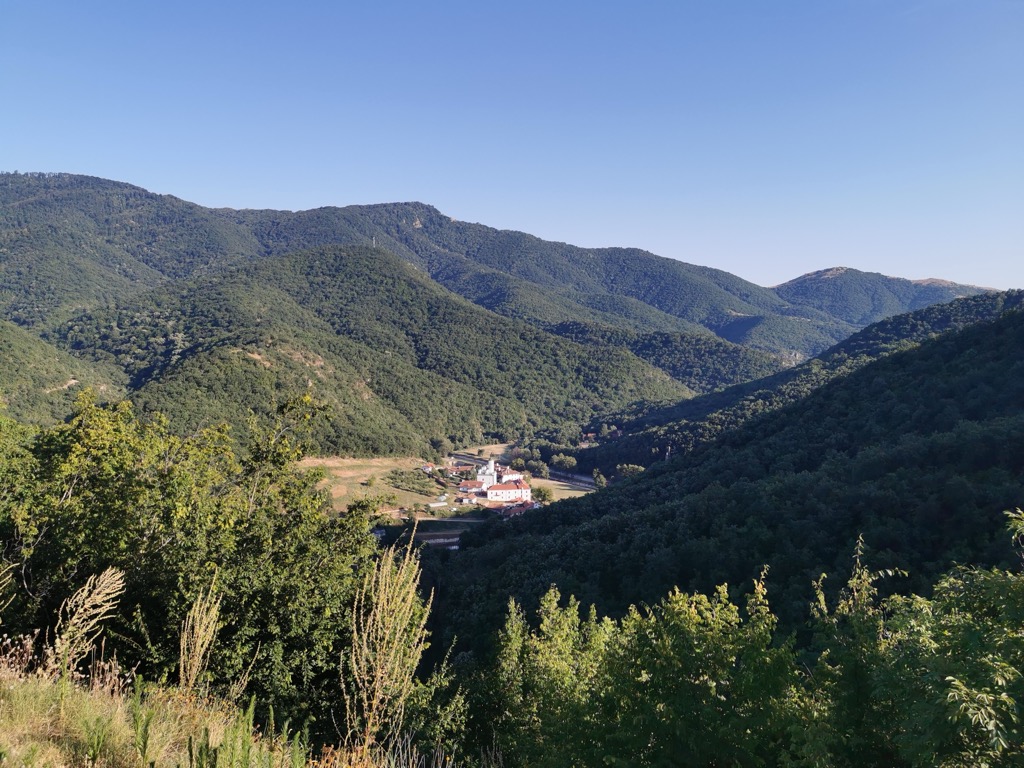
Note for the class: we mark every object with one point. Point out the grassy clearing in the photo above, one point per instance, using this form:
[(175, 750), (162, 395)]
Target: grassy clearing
[(496, 451), (559, 490), (351, 479)]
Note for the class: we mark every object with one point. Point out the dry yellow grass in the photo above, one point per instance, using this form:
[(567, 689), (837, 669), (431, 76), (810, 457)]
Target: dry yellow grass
[(347, 479), (488, 451), (198, 633), (81, 618), (96, 725), (50, 719), (559, 490), (388, 638)]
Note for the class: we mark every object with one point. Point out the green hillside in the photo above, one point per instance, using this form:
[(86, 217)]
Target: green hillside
[(399, 362), (69, 242), (920, 452), (39, 383), (615, 279)]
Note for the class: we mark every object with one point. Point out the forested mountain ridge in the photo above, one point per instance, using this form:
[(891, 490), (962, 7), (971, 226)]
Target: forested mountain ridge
[(124, 237), (648, 434), (861, 298), (614, 286), (920, 452), (69, 242), (116, 274)]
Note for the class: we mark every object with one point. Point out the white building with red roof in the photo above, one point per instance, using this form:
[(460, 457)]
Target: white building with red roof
[(517, 490), (493, 474), (495, 484)]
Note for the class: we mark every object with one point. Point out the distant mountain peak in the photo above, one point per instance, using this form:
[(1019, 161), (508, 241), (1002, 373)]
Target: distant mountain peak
[(939, 283), (823, 274), (840, 271), (861, 298), (829, 273)]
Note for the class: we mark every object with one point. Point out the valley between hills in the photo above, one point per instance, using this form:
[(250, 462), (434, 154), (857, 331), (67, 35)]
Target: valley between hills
[(183, 386)]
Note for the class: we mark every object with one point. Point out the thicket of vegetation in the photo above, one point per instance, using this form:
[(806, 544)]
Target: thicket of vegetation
[(55, 710), (175, 516), (696, 680)]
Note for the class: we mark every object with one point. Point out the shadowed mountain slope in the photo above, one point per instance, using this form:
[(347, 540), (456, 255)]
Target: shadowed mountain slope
[(920, 452), (651, 432)]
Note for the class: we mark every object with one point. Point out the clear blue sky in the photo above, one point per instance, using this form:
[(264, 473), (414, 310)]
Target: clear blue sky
[(765, 137)]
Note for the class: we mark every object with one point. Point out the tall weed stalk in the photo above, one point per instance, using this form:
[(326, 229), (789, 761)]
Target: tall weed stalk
[(388, 638), (198, 632)]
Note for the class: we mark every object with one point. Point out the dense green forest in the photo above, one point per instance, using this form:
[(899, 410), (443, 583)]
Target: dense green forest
[(700, 360), (919, 451), (703, 680), (39, 383), (399, 364), (649, 432), (175, 515)]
